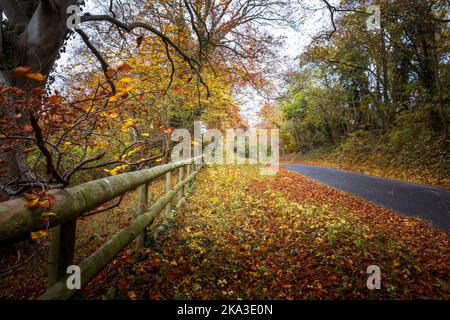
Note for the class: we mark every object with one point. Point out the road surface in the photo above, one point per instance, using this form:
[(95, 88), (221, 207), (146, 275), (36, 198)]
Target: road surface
[(432, 204)]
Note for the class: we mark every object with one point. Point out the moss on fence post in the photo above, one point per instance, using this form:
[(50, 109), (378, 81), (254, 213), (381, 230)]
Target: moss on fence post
[(17, 221), (99, 259), (168, 189), (141, 208)]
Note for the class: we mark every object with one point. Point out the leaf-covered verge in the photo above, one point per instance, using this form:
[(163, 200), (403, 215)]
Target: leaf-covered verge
[(244, 236), (373, 155)]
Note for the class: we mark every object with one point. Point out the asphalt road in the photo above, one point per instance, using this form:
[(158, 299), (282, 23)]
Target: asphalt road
[(429, 203)]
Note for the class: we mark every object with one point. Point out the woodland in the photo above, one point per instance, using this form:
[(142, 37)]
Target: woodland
[(94, 89)]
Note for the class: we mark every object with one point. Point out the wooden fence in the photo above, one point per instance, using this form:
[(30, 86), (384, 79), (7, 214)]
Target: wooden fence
[(17, 221)]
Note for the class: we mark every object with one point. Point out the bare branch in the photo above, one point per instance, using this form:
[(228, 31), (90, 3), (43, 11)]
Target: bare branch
[(97, 54), (87, 214), (68, 174), (41, 145)]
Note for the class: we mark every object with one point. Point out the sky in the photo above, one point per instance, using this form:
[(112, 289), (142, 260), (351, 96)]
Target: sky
[(296, 41)]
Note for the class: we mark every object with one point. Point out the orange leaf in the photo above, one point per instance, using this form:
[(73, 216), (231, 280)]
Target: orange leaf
[(39, 91), (54, 99), (125, 68), (32, 203), (110, 73), (139, 41), (36, 76), (20, 72), (29, 196)]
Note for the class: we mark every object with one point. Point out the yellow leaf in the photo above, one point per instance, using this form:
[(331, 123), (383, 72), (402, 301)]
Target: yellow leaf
[(111, 115), (39, 234), (116, 96), (128, 123), (132, 295), (116, 170), (129, 153), (113, 98), (126, 80), (48, 215), (145, 134), (32, 203), (126, 89)]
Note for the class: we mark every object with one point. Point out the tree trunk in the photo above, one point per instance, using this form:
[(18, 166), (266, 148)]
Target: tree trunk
[(386, 87), (36, 33)]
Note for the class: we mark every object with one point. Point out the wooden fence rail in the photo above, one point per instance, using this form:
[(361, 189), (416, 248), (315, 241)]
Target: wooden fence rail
[(17, 221)]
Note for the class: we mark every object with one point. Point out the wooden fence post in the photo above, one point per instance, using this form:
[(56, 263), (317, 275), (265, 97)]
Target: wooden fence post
[(180, 179), (62, 248), (188, 173), (142, 208), (168, 188), (192, 171)]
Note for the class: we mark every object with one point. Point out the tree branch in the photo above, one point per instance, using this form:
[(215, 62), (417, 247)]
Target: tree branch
[(41, 144), (103, 209), (68, 174), (130, 27), (97, 54)]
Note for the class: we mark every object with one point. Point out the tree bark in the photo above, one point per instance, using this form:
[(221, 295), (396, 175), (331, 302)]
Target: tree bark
[(36, 33)]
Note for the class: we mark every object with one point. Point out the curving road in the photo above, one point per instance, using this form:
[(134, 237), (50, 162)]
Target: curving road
[(429, 203)]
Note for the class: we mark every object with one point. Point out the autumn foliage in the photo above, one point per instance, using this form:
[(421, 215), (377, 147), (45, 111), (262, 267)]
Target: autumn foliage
[(283, 237), (127, 78)]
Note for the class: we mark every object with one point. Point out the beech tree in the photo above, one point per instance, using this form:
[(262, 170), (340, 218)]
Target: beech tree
[(33, 33)]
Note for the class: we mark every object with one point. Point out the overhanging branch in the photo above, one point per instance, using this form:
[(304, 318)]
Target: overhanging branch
[(193, 64), (97, 54)]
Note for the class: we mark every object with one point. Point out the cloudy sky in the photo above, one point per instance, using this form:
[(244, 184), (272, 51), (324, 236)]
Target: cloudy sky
[(296, 42)]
